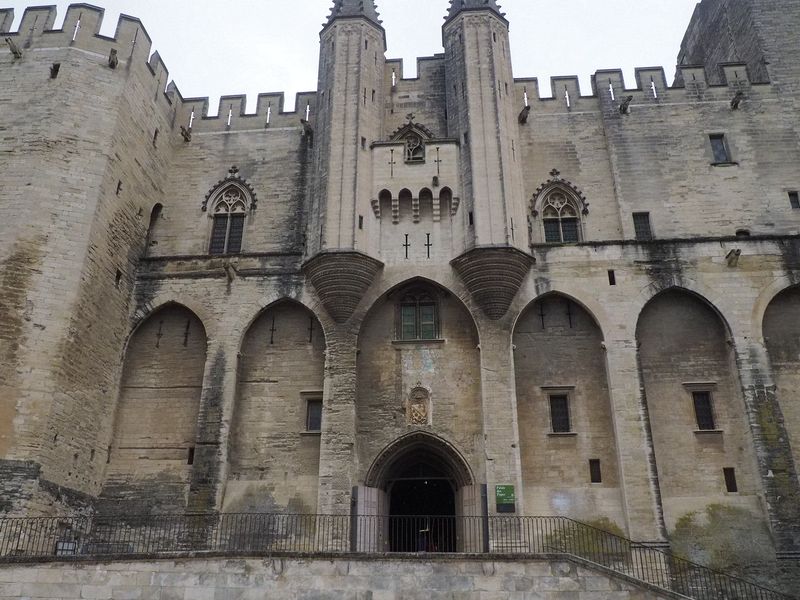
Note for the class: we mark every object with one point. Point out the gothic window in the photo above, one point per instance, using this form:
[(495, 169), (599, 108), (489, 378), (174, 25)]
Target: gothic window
[(415, 148), (418, 317), (561, 221), (228, 217)]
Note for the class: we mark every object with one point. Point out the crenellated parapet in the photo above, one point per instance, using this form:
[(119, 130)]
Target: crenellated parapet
[(130, 46), (232, 113), (651, 87)]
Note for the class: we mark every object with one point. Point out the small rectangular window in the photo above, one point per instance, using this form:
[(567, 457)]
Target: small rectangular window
[(794, 199), (612, 277), (641, 226), (703, 411), (363, 143), (190, 456), (54, 69), (314, 415), (559, 413), (719, 146), (471, 219), (361, 221), (595, 473), (730, 480)]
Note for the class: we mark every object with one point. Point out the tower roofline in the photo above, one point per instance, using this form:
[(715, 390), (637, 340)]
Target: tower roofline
[(458, 7), (355, 8)]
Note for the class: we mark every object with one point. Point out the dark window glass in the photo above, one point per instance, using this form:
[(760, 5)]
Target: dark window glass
[(419, 318), (595, 473), (703, 411), (569, 229), (235, 235), (552, 231), (314, 415), (720, 148), (408, 325), (794, 199), (559, 414), (730, 480), (641, 226), (218, 234), (427, 322)]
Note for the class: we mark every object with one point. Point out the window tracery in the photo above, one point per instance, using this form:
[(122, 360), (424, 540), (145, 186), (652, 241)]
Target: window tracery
[(560, 218), (561, 206), (228, 218)]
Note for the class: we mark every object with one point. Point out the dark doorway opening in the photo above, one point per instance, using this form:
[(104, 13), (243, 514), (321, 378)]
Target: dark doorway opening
[(422, 510)]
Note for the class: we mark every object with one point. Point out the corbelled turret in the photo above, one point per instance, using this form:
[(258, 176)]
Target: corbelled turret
[(354, 8), (459, 6)]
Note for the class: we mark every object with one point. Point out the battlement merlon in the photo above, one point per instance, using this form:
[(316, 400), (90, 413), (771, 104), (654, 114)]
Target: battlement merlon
[(6, 19), (651, 85), (233, 116)]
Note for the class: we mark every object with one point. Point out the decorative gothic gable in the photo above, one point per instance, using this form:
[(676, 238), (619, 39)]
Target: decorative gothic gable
[(557, 184), (233, 185), (414, 135)]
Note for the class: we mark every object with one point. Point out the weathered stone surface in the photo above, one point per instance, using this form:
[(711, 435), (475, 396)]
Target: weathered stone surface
[(317, 579), (493, 277)]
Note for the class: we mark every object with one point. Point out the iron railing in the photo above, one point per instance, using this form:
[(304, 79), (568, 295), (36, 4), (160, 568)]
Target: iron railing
[(73, 538)]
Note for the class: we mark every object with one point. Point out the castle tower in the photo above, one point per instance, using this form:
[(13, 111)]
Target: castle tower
[(349, 118), (482, 114)]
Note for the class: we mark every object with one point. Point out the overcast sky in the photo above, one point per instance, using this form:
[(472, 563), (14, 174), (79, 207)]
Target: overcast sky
[(217, 47)]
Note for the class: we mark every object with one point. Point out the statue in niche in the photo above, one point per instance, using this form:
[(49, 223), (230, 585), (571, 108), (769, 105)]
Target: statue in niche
[(418, 406), (415, 148)]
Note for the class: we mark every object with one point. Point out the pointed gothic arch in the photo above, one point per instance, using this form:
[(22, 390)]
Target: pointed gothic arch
[(424, 447), (561, 207)]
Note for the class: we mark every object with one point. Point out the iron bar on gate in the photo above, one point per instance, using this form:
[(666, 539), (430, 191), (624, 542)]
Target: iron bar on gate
[(73, 538)]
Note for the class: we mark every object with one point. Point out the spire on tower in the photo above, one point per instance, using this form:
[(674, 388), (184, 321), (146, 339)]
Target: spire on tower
[(459, 6), (355, 8)]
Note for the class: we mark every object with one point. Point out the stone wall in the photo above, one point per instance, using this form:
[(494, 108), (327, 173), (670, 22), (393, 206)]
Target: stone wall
[(558, 350), (318, 579), (684, 349), (274, 459)]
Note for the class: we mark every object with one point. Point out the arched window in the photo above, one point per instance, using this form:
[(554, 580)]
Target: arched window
[(418, 316), (560, 217), (228, 214)]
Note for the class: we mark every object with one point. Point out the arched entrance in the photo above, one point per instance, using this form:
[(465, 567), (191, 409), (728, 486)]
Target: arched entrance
[(421, 489)]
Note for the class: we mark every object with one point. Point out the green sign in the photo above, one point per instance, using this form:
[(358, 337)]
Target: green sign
[(506, 498)]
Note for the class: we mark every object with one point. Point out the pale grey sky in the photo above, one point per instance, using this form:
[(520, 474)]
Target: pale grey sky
[(219, 47)]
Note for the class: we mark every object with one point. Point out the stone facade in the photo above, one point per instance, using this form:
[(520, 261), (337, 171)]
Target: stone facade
[(437, 260), (318, 579)]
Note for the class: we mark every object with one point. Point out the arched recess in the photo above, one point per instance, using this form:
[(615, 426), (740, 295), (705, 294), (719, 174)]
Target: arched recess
[(405, 200), (420, 482), (153, 228), (156, 422), (393, 369), (564, 412), (781, 330), (275, 434), (695, 405)]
